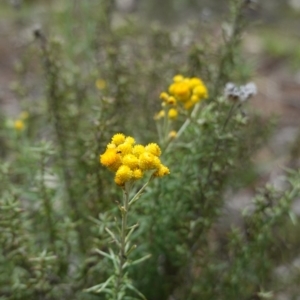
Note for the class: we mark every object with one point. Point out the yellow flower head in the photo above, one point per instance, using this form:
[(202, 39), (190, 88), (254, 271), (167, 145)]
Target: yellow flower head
[(148, 161), (137, 174), (19, 125), (159, 115), (111, 159), (111, 146), (138, 150), (182, 90), (195, 98), (131, 161), (201, 91), (171, 100), (173, 113), (178, 78), (193, 82), (123, 174), (172, 134), (153, 148), (162, 171), (118, 139), (130, 140), (164, 96), (124, 149)]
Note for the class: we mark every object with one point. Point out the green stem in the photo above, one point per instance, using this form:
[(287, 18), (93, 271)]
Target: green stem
[(137, 195), (122, 254)]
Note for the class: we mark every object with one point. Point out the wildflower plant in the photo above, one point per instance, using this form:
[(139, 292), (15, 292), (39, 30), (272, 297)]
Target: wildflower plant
[(130, 162), (71, 228)]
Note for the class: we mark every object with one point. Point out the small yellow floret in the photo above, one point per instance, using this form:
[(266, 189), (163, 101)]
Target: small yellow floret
[(123, 175), (153, 148), (118, 139), (194, 82), (159, 115), (111, 146), (138, 150), (131, 161), (201, 91), (173, 113), (171, 100), (178, 78), (19, 125), (182, 91), (148, 161), (137, 174), (172, 88), (172, 134), (162, 171), (164, 96), (124, 149), (195, 99), (111, 159), (130, 140)]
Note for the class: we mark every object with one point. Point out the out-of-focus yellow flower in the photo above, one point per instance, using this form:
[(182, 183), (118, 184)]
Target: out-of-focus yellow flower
[(195, 99), (178, 78), (173, 113), (182, 90), (19, 125), (188, 105), (171, 100), (185, 92), (101, 84), (159, 115), (193, 82), (164, 96), (172, 134), (201, 91)]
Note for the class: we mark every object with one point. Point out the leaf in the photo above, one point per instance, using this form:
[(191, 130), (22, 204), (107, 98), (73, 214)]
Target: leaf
[(131, 287), (103, 254)]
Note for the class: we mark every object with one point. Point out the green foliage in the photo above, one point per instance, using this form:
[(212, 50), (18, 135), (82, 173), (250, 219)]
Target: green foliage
[(65, 233)]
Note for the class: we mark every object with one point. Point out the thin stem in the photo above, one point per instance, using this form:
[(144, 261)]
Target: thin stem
[(137, 195), (122, 255), (184, 125)]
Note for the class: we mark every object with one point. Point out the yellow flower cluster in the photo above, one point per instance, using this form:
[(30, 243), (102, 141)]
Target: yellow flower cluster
[(130, 161), (183, 91)]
